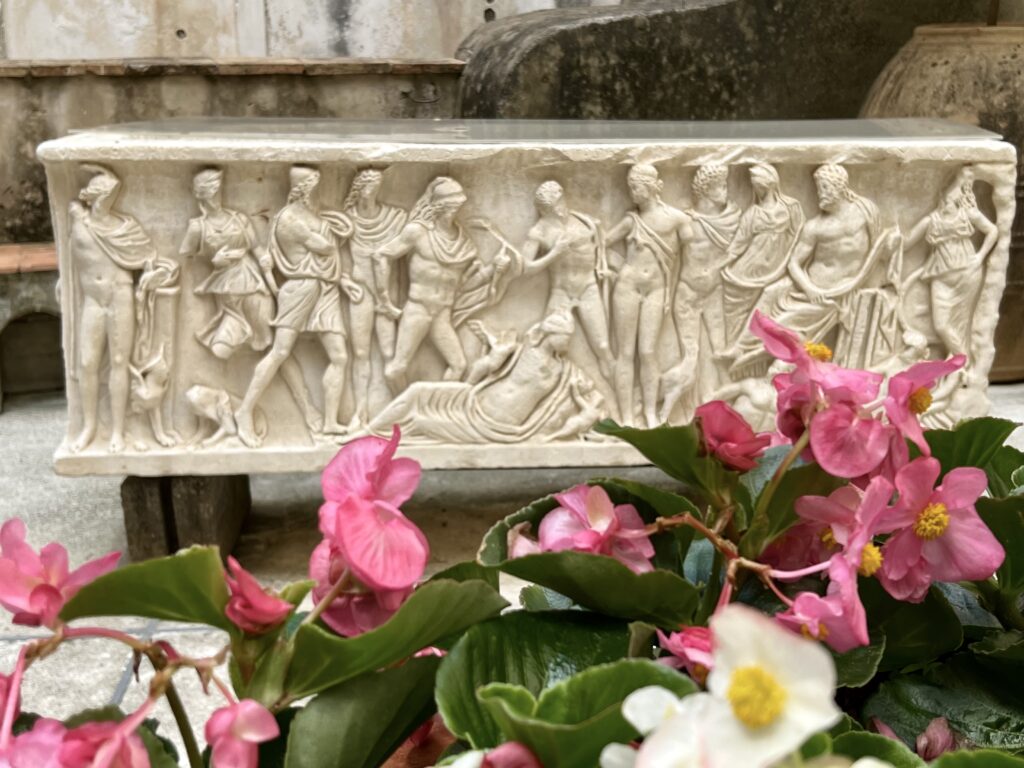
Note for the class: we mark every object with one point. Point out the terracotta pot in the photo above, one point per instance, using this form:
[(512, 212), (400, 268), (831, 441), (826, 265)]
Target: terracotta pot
[(974, 75)]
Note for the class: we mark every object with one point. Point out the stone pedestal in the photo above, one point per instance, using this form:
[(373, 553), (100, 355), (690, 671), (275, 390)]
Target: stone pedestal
[(246, 296), (164, 514)]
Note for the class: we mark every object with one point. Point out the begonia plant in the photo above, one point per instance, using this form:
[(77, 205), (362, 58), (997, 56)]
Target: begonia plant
[(847, 590)]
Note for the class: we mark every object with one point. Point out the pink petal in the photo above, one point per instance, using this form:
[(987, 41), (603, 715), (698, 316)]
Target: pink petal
[(384, 549), (355, 467), (779, 341), (901, 553), (575, 500), (937, 739), (961, 487), (15, 586), (915, 483), (253, 723), (846, 444), (838, 510), (14, 547), (45, 604), (519, 544), (511, 754), (559, 529), (600, 511), (89, 572), (849, 384), (231, 753), (632, 558), (219, 724), (967, 551)]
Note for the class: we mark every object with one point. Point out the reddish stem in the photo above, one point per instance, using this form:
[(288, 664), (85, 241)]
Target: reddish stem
[(13, 692), (793, 575)]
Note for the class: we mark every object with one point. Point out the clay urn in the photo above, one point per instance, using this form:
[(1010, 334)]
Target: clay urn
[(972, 74)]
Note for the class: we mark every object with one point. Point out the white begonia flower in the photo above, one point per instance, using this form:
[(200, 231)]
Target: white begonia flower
[(671, 726), (769, 690), (467, 760), (871, 762), (647, 708), (618, 756)]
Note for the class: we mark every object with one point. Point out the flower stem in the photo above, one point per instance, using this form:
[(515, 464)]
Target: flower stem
[(340, 586), (135, 644), (794, 575), (13, 690), (188, 738), (780, 471)]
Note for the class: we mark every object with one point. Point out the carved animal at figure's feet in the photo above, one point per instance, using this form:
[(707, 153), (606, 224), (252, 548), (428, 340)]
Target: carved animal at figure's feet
[(149, 385), (676, 382), (217, 407)]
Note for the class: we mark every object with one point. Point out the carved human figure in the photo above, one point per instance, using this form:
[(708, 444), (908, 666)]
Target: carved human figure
[(303, 244), (570, 247), (654, 233), (241, 280), (835, 254), (698, 303), (440, 253), (758, 251), (532, 392), (108, 247), (373, 225), (954, 270)]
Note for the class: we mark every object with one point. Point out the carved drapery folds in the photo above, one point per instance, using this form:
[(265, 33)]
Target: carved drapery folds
[(245, 310)]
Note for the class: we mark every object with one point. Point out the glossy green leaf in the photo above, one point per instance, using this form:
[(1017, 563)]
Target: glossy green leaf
[(1005, 518), (1004, 472), (531, 650), (858, 744), (973, 443), (274, 752), (468, 571), (675, 451), (571, 722), (975, 620), (435, 611), (188, 586), (596, 582), (982, 700), (857, 668), (818, 745), (915, 633), (537, 598), (360, 723), (982, 758), (296, 592), (1002, 646), (780, 513)]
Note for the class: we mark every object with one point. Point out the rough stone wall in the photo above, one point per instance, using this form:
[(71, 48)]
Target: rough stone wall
[(702, 60), (48, 107)]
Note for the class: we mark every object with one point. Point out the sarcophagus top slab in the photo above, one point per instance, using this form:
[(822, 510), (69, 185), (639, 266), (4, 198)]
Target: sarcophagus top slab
[(246, 295)]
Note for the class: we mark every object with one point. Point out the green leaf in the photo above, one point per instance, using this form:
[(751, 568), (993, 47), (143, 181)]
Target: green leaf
[(437, 610), (780, 514), (296, 592), (676, 452), (360, 723), (983, 758), (537, 598), (982, 701), (974, 619), (468, 570), (188, 586), (1002, 646), (973, 443), (597, 582), (857, 668), (572, 721), (858, 744), (273, 753), (1005, 517), (915, 633), (1004, 472), (532, 650), (818, 745)]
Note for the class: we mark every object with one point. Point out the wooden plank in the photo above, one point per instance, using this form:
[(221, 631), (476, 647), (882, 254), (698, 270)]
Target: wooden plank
[(27, 257)]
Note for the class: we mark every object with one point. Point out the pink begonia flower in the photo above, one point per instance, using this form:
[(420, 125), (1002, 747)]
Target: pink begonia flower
[(805, 544), (35, 587), (251, 608), (942, 537), (39, 747), (511, 754), (936, 740), (910, 395), (363, 486), (5, 693), (104, 744), (235, 732), (587, 521), (355, 612), (729, 437), (691, 648), (838, 618), (827, 399), (854, 518), (881, 727), (518, 543)]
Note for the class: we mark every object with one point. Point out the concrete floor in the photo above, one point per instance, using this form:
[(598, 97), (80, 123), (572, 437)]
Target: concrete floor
[(454, 508)]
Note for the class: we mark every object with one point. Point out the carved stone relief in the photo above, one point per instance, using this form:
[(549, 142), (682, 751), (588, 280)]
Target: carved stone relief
[(259, 307)]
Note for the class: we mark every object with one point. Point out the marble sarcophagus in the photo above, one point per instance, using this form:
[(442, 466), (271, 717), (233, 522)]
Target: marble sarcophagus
[(244, 296)]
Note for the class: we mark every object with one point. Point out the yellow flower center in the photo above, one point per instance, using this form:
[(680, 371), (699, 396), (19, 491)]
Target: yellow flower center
[(822, 632), (818, 351), (920, 400), (870, 560), (932, 521), (756, 697), (828, 538)]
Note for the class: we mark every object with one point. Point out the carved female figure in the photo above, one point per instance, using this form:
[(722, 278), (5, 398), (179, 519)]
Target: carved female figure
[(758, 253), (954, 269), (654, 234), (238, 287), (374, 224)]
